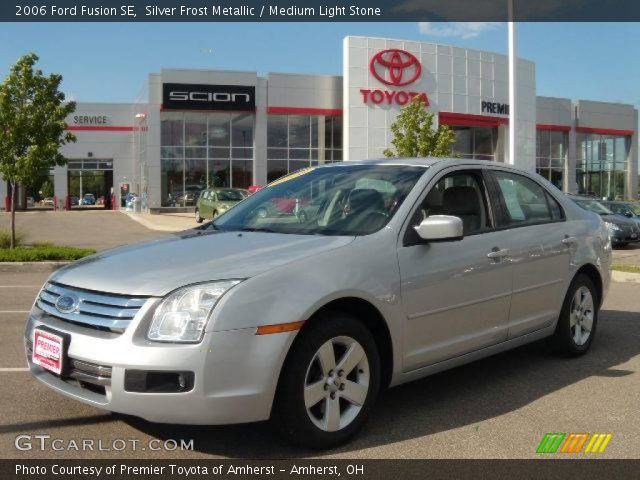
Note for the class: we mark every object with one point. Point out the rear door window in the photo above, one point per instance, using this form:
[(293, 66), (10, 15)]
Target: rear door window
[(525, 201)]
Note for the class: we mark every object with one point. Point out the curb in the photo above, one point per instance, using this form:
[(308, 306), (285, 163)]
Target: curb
[(618, 276), (24, 267)]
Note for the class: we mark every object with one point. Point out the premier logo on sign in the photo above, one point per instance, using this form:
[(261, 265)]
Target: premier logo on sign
[(396, 68)]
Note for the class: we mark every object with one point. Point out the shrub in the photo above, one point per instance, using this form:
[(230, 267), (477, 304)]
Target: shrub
[(5, 238), (43, 252)]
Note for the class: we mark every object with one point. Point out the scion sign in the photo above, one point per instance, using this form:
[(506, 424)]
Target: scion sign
[(186, 96)]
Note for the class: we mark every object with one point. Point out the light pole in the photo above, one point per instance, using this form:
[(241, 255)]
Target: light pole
[(513, 66)]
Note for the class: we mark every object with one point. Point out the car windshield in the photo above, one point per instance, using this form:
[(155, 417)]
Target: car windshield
[(594, 206), (230, 195), (334, 200)]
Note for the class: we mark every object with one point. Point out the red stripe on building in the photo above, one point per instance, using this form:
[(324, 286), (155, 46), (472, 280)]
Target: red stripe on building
[(605, 131), (470, 120), (304, 111), (102, 128), (553, 128)]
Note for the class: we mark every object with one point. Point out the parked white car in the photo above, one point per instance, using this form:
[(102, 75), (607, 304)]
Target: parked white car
[(408, 267)]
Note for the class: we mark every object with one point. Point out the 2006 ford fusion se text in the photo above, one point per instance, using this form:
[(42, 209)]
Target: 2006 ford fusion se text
[(377, 273)]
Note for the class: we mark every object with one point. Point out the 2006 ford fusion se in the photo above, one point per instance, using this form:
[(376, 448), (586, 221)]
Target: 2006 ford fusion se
[(383, 272)]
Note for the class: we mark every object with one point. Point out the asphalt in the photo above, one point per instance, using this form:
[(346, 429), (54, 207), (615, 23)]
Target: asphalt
[(100, 230), (499, 407)]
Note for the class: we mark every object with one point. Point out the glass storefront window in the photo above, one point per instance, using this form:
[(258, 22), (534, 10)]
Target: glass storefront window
[(299, 141), (602, 165), (475, 142), (219, 130), (242, 130), (551, 155), (197, 151)]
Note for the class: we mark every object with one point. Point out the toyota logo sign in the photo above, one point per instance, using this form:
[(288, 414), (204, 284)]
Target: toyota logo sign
[(395, 67)]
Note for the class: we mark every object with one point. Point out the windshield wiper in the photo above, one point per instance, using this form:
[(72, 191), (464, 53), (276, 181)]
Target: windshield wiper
[(257, 229)]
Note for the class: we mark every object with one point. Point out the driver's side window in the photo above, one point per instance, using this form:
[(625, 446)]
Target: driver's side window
[(460, 194)]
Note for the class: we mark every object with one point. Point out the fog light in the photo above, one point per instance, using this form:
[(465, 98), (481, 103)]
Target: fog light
[(147, 381)]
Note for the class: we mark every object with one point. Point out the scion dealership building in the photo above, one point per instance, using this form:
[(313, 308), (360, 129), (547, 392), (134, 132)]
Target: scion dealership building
[(193, 129)]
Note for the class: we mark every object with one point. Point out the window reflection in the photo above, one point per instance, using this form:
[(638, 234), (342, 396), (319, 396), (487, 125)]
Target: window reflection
[(197, 151), (299, 141)]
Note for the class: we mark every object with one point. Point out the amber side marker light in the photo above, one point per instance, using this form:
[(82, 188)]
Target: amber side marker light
[(279, 328)]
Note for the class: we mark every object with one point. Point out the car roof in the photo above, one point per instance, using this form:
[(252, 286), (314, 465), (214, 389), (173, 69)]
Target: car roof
[(427, 162)]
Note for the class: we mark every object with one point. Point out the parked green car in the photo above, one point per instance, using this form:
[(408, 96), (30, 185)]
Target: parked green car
[(214, 201)]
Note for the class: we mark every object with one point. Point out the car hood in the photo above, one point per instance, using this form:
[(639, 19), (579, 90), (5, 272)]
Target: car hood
[(156, 268), (618, 220)]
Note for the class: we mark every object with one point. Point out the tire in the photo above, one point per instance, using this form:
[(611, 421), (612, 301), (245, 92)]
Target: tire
[(577, 314), (199, 219), (310, 424), (215, 214)]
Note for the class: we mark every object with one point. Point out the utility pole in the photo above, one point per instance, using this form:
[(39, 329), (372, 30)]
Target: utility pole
[(513, 67)]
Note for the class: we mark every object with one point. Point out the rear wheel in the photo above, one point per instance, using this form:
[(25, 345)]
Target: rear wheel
[(199, 219), (578, 318), (215, 214), (329, 383)]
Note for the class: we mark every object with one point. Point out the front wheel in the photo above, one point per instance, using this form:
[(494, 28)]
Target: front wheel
[(578, 318), (329, 383)]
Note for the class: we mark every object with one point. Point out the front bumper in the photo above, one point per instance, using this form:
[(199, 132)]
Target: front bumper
[(235, 372)]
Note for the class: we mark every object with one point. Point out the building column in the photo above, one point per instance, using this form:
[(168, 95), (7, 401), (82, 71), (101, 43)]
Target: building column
[(502, 144), (4, 191), (60, 184), (631, 184), (260, 135)]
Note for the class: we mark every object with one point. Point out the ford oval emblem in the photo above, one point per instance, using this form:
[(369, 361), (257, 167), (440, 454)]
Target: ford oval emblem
[(67, 303)]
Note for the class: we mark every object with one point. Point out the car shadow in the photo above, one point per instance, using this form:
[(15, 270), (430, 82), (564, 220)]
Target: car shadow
[(456, 398)]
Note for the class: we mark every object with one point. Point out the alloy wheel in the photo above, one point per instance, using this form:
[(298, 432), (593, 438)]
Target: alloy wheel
[(581, 315), (336, 383)]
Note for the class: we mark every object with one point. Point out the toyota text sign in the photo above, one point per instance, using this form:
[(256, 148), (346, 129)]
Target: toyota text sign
[(187, 96)]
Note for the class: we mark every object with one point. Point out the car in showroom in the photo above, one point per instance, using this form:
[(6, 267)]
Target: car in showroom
[(215, 201), (88, 199), (623, 230), (409, 267), (630, 210)]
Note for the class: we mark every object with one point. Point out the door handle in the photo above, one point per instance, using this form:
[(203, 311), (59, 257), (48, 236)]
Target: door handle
[(497, 254), (569, 240)]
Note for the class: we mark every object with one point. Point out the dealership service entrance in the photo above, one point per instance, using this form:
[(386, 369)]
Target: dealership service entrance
[(90, 182)]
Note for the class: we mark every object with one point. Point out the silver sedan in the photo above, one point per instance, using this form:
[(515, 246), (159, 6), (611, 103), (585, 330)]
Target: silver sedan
[(303, 301)]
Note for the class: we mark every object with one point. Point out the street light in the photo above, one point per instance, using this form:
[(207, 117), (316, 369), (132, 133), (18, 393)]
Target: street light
[(513, 59)]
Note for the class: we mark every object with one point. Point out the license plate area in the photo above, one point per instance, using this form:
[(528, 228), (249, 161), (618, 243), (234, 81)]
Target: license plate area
[(50, 349)]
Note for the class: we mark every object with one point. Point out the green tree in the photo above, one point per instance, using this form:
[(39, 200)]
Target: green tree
[(414, 135), (47, 189), (32, 126)]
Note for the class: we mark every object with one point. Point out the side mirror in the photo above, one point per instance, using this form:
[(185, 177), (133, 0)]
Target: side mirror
[(439, 228)]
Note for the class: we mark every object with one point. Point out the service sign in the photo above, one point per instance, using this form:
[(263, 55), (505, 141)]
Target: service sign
[(188, 96)]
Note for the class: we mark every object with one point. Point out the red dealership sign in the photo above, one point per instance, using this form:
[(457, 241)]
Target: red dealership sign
[(396, 68)]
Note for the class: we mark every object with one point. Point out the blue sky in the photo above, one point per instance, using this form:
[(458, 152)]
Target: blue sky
[(110, 62)]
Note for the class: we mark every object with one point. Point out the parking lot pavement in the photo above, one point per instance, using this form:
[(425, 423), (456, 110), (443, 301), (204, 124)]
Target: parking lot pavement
[(101, 230), (629, 255), (499, 407), (167, 222)]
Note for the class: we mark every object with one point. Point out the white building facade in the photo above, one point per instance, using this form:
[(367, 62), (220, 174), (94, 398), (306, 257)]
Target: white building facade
[(193, 129)]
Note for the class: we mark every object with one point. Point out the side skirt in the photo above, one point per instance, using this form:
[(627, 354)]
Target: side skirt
[(422, 372)]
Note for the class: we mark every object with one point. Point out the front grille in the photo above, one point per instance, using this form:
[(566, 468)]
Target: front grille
[(102, 311), (83, 374)]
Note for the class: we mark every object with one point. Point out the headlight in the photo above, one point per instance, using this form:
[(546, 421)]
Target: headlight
[(182, 316), (612, 227)]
